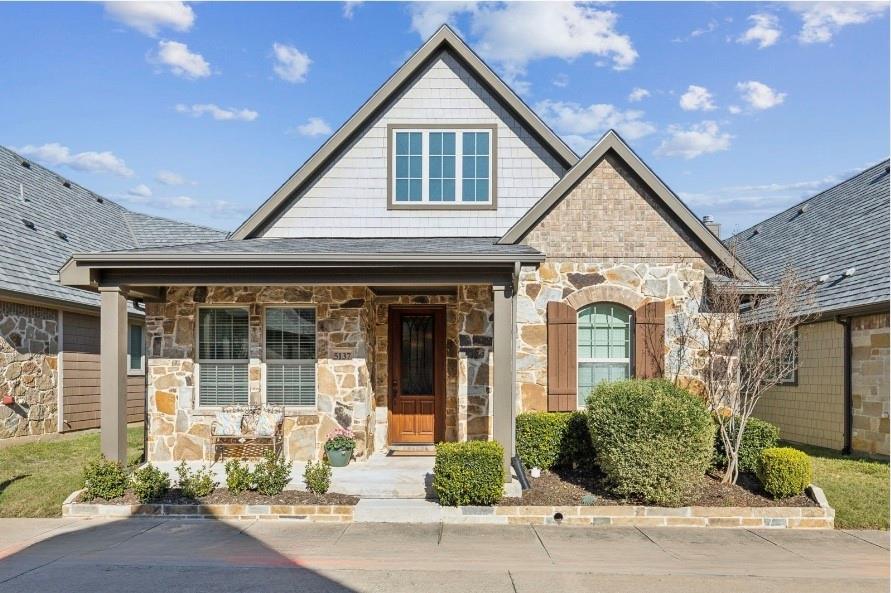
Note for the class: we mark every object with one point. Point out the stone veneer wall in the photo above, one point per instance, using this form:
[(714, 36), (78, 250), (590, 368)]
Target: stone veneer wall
[(869, 383), (813, 410), (351, 394), (29, 346)]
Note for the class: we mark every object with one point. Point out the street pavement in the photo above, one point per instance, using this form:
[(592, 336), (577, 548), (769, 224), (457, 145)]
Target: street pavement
[(158, 555)]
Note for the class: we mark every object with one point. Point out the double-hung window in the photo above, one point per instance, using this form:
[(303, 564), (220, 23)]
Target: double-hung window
[(604, 346), (222, 356), (291, 356), (445, 167)]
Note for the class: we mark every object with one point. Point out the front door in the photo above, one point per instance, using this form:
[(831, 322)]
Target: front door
[(417, 375)]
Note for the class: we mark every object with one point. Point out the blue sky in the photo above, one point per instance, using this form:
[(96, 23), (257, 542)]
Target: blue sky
[(200, 111)]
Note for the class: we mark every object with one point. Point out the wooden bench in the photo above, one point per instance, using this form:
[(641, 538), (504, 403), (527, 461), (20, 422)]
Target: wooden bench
[(246, 438)]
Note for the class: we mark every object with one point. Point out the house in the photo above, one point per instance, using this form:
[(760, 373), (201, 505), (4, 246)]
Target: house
[(49, 333), (443, 262), (839, 238)]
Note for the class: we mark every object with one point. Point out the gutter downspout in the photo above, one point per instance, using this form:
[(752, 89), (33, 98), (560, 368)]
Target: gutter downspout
[(849, 397)]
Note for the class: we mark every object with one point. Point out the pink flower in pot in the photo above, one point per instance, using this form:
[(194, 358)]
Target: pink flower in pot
[(339, 445)]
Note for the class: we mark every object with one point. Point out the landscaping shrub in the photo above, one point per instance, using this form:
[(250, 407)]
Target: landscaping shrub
[(653, 440), (784, 471), (238, 476), (757, 436), (317, 476), (195, 484), (272, 474), (149, 483), (104, 478), (551, 439), (470, 473)]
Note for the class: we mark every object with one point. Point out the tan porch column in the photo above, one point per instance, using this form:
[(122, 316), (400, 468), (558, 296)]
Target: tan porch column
[(113, 373), (503, 383)]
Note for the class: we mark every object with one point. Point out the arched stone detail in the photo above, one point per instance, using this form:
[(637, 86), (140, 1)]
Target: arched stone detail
[(606, 293)]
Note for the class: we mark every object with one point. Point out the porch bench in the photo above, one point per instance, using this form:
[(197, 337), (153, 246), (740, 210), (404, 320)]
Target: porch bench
[(250, 428)]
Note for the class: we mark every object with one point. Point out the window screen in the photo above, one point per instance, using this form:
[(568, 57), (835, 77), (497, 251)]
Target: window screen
[(223, 356), (604, 346), (291, 356)]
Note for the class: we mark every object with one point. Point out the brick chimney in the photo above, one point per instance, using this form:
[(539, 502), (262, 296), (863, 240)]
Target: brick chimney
[(710, 224)]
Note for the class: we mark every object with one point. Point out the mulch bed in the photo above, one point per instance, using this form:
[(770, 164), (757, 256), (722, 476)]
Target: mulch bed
[(222, 496), (566, 487)]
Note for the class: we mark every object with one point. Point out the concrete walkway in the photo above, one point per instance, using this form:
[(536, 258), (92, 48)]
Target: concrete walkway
[(378, 477), (147, 555)]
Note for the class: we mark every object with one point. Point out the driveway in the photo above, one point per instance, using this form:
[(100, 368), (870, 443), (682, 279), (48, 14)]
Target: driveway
[(146, 555)]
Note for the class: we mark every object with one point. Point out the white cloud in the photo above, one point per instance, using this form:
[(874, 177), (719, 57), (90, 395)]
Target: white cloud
[(579, 124), (513, 34), (349, 7), (638, 94), (734, 109), (708, 28), (314, 126), (180, 60), (291, 64), (141, 190), (217, 112), (150, 17), (765, 30), (758, 95), (561, 80), (55, 154), (702, 138), (822, 20), (170, 178), (697, 98)]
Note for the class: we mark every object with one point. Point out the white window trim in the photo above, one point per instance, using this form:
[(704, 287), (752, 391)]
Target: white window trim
[(263, 364), (141, 370), (579, 360), (196, 361), (425, 202)]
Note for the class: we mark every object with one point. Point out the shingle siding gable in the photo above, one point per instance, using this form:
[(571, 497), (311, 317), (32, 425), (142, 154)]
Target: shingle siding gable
[(349, 198)]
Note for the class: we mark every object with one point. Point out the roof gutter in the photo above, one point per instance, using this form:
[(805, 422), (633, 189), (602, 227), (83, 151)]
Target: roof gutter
[(143, 259), (848, 393)]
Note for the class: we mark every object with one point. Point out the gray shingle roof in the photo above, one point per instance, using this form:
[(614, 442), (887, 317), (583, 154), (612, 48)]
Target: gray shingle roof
[(467, 246), (846, 226), (30, 258)]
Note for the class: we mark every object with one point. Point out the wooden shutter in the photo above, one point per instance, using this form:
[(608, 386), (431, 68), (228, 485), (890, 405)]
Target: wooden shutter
[(562, 371), (649, 340)]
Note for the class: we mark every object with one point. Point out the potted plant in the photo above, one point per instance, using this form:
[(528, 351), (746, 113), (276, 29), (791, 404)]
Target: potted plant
[(339, 446)]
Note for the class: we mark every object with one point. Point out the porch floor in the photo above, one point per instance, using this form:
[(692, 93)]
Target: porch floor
[(378, 477)]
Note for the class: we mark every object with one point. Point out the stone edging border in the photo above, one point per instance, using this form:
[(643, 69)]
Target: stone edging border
[(819, 517)]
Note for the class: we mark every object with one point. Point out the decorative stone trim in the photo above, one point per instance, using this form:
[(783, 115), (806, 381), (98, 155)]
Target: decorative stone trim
[(301, 512), (606, 293)]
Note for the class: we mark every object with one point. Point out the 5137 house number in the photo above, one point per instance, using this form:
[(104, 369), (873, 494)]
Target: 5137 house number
[(342, 355)]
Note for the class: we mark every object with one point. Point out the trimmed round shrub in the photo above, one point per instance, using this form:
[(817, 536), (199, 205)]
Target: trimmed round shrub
[(470, 473), (784, 471), (553, 439), (654, 441), (149, 483), (317, 476), (757, 436), (238, 476), (272, 474), (195, 484), (105, 479)]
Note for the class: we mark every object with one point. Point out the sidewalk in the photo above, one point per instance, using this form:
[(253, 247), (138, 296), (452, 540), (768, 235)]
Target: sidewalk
[(147, 555)]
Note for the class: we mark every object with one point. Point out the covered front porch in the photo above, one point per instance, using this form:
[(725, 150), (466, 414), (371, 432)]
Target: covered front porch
[(405, 347)]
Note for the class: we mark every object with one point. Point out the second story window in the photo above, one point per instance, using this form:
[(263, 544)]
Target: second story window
[(444, 167)]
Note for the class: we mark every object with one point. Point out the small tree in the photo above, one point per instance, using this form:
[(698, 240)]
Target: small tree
[(740, 346)]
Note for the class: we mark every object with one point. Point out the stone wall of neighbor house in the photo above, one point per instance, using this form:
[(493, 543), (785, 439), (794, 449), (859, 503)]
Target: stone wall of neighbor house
[(870, 389), (609, 239), (29, 346), (351, 394), (813, 410)]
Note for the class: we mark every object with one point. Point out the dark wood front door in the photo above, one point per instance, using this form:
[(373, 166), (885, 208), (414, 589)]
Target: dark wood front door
[(417, 375)]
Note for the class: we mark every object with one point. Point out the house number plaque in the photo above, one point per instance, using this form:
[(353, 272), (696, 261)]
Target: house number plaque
[(342, 354)]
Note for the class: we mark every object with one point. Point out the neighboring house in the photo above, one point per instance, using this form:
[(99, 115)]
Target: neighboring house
[(49, 333), (443, 262), (839, 398)]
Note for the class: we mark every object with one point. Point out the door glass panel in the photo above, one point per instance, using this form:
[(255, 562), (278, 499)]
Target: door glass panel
[(417, 354)]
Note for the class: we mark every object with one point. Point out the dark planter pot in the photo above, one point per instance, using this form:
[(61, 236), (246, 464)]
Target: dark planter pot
[(339, 457)]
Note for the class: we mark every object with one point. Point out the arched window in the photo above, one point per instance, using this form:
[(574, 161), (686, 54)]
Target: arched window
[(604, 346)]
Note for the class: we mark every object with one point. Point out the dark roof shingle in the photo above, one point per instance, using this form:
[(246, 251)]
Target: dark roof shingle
[(843, 227)]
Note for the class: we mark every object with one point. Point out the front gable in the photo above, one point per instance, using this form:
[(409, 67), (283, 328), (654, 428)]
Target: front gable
[(345, 189)]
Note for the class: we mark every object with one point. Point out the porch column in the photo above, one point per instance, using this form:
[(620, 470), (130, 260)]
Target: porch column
[(503, 383), (113, 373)]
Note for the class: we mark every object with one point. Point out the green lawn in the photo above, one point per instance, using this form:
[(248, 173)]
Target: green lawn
[(856, 488), (35, 478)]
